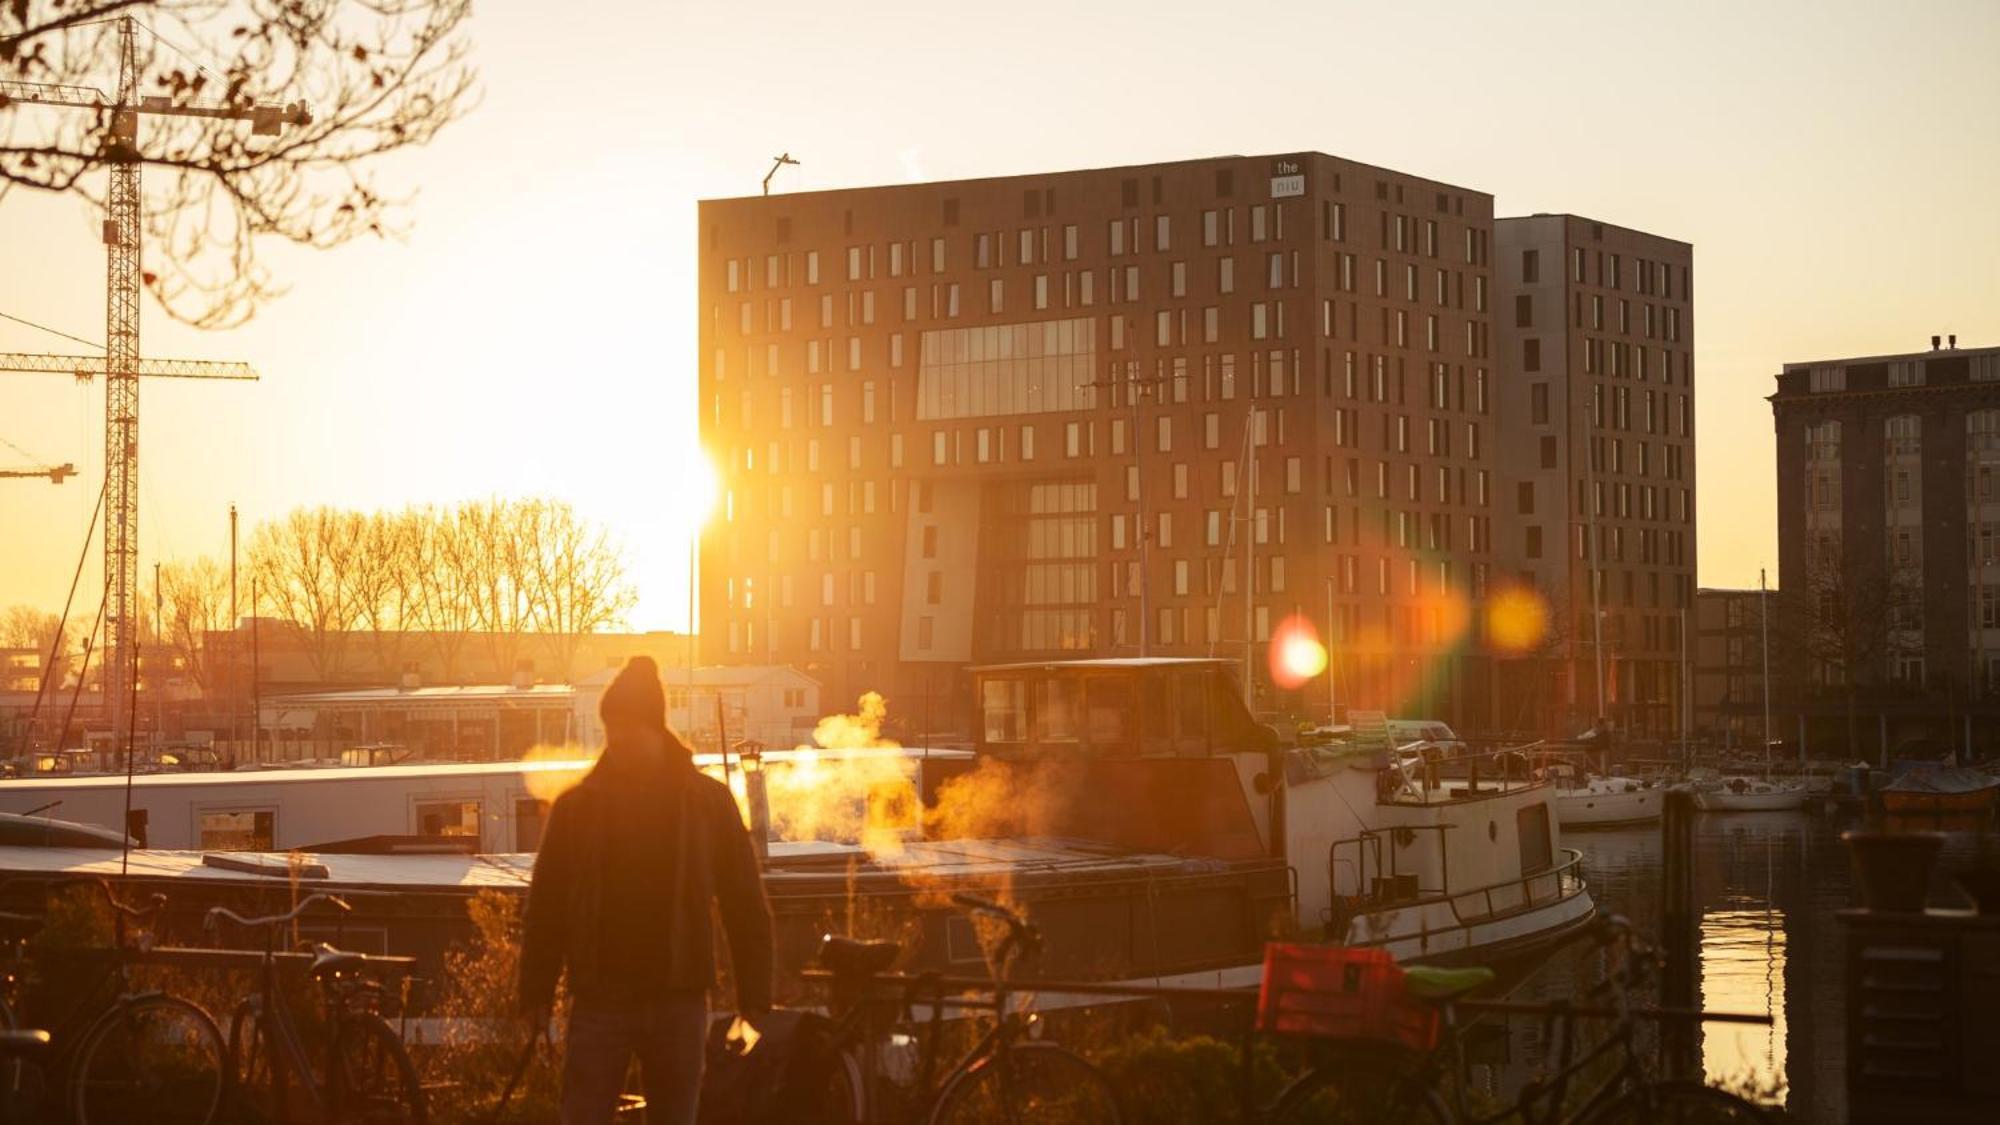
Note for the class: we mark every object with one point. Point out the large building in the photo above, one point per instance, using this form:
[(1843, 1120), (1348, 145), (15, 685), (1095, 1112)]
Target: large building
[(1596, 442), (1062, 415), (1728, 664), (1889, 549)]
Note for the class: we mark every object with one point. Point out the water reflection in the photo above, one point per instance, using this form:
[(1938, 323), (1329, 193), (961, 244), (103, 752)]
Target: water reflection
[(1767, 886), (1743, 971)]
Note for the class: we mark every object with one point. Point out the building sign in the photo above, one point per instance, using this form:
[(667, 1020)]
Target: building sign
[(1288, 179)]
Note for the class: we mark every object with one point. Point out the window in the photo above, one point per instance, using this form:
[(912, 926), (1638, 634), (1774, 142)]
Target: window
[(1538, 403), (248, 830), (1531, 354), (530, 815), (1828, 379), (1531, 266), (447, 818), (1162, 231), (1524, 311), (1549, 452)]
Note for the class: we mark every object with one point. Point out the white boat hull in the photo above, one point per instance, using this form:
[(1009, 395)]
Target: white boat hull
[(1779, 798), (1611, 804), (1483, 924)]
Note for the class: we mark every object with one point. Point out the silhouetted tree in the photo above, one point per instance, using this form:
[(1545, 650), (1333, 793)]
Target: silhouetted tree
[(378, 76)]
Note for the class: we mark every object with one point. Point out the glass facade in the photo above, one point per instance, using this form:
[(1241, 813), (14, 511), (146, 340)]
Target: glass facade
[(1044, 584), (1006, 369)]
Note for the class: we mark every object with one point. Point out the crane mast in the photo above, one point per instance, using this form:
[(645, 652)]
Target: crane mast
[(122, 366)]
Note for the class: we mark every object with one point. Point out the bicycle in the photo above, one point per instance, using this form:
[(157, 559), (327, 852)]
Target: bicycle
[(366, 1076), (137, 1055), (1384, 1083), (1009, 1075)]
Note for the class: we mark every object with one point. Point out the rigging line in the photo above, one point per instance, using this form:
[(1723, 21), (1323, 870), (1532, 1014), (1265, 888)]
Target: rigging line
[(62, 624), (30, 456), (176, 48), (52, 331)]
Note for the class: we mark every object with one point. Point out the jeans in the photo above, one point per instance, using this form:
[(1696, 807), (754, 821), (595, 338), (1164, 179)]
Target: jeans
[(667, 1034)]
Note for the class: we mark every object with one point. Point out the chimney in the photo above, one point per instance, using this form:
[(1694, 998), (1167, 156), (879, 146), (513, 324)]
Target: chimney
[(411, 680), (1934, 343), (524, 674), (1951, 342)]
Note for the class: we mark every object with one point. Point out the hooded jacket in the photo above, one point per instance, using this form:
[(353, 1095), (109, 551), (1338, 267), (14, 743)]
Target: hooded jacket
[(630, 862)]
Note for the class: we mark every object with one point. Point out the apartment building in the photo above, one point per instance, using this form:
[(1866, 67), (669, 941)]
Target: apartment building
[(1149, 410), (1889, 548), (1596, 448)]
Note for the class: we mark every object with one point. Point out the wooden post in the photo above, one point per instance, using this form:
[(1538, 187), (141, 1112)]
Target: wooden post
[(1677, 932)]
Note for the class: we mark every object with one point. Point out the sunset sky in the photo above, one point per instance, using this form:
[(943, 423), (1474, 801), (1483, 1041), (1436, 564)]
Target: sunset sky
[(1833, 163)]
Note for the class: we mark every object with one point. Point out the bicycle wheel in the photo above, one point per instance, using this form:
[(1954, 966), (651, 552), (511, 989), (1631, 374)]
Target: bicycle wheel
[(1365, 1086), (1038, 1083), (371, 1080), (841, 1097), (149, 1058), (257, 1089), (1679, 1103)]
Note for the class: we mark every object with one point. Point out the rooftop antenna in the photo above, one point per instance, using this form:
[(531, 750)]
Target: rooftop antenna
[(780, 162)]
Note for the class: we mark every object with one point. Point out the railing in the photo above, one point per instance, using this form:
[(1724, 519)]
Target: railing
[(1563, 881)]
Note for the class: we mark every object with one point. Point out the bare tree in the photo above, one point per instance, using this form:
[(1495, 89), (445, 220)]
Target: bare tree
[(383, 582), (1840, 631), (446, 582), (578, 582), (27, 627), (377, 76), (304, 565), (195, 596)]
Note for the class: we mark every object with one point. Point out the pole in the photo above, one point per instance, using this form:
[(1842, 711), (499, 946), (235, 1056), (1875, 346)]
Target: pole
[(159, 638), (1677, 929), (694, 555), (1332, 692), (1764, 624), (256, 677), (1250, 559), (1139, 471), (1687, 695), (235, 674), (1591, 556)]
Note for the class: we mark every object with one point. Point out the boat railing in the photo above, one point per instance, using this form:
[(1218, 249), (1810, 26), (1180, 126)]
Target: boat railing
[(1532, 889), (1418, 775)]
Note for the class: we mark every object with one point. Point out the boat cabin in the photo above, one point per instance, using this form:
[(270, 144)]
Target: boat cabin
[(1130, 708)]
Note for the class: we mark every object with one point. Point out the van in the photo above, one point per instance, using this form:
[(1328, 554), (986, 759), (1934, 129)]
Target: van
[(1406, 731)]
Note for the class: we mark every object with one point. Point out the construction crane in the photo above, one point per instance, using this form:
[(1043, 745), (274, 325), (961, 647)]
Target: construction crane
[(56, 473), (121, 364)]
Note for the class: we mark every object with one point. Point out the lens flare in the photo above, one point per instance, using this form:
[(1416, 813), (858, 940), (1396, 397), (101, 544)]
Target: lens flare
[(1296, 654), (1517, 619)]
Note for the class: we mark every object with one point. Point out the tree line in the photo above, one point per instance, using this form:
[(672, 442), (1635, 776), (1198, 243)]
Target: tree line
[(426, 583)]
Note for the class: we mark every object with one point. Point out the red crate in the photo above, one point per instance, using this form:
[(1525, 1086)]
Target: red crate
[(1338, 992)]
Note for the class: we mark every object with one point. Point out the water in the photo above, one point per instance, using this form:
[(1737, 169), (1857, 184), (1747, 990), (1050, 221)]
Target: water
[(1767, 886)]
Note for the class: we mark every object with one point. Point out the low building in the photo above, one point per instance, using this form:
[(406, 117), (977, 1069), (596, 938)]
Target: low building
[(774, 704), (380, 726)]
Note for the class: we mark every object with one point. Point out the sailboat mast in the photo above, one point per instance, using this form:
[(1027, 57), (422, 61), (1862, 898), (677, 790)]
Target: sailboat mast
[(1764, 623)]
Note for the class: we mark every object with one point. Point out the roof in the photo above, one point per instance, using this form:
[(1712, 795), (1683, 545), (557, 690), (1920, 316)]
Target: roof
[(440, 770), (1043, 174), (1112, 662), (67, 783), (444, 694), (788, 862), (1927, 353), (714, 675)]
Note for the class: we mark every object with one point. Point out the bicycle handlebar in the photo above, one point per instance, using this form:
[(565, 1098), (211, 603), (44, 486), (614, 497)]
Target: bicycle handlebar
[(219, 914), (992, 909)]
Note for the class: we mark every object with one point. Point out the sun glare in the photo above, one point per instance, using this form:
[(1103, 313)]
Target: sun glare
[(1516, 620), (1296, 653)]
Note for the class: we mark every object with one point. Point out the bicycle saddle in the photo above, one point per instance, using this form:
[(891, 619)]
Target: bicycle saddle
[(23, 1043), (847, 956), (330, 961), (1426, 982)]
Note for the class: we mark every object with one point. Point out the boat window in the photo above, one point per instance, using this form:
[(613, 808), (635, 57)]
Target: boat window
[(448, 818), (1191, 702), (529, 815), (1004, 706), (1108, 703), (1159, 715), (1532, 824), (1057, 709), (245, 830)]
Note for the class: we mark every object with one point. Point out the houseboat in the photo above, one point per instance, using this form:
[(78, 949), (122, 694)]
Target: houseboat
[(1133, 808)]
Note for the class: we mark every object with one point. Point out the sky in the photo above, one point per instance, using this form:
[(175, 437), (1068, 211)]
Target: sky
[(1833, 163)]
